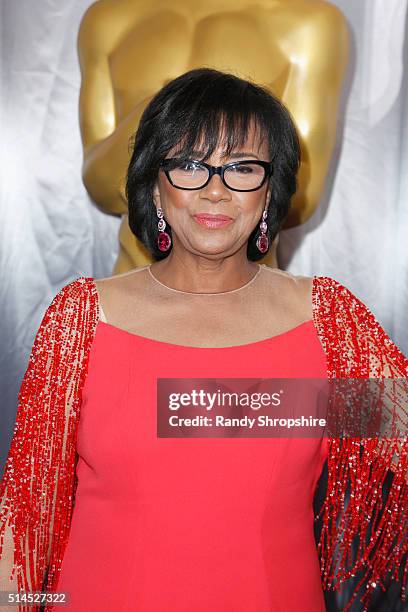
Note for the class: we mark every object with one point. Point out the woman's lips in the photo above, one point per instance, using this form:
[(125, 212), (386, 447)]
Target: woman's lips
[(213, 221)]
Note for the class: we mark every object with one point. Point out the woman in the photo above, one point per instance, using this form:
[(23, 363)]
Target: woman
[(120, 518)]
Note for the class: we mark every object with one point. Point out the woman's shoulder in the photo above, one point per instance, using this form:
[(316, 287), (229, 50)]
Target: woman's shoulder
[(119, 289), (287, 295), (70, 296), (324, 294), (284, 277), (121, 281), (288, 281), (302, 280)]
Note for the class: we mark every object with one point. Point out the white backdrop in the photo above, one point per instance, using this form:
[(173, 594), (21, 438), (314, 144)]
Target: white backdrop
[(51, 233)]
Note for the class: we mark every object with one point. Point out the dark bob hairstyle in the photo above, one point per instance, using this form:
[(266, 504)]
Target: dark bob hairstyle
[(191, 110)]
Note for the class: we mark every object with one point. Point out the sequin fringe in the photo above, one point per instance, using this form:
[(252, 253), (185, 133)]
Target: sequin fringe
[(39, 481), (356, 346)]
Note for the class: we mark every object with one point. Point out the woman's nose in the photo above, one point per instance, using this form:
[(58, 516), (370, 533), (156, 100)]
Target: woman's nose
[(215, 189)]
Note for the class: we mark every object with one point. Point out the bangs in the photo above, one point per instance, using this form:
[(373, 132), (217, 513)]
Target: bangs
[(229, 133), (219, 114)]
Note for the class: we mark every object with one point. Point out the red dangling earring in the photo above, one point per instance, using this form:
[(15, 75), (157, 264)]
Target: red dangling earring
[(163, 239), (263, 241)]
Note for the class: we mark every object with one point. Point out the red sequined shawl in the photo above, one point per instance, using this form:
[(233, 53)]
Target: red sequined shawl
[(38, 487)]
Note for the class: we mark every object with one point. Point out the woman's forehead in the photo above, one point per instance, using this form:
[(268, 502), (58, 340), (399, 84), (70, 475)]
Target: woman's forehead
[(254, 141)]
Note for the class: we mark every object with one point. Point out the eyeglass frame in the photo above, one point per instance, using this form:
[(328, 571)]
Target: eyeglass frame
[(268, 166)]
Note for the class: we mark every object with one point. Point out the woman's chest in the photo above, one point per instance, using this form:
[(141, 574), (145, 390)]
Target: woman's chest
[(118, 442)]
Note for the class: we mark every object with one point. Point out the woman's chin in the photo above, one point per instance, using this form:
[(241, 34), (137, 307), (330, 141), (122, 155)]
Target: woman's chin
[(218, 248)]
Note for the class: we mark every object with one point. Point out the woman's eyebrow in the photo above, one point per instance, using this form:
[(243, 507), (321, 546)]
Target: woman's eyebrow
[(232, 155)]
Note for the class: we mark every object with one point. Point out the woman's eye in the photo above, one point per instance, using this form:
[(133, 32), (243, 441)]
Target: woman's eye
[(242, 169)]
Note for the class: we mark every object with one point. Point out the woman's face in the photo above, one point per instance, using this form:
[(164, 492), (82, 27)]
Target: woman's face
[(245, 208)]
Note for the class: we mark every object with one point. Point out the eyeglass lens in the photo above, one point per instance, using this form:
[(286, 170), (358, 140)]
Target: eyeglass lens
[(191, 174)]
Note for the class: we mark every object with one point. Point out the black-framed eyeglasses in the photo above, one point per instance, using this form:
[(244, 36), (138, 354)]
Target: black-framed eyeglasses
[(191, 174)]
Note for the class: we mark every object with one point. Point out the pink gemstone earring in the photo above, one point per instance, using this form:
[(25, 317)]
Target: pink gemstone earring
[(263, 241), (163, 239)]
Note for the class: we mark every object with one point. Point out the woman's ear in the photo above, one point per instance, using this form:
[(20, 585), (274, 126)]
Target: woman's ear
[(268, 194), (156, 195)]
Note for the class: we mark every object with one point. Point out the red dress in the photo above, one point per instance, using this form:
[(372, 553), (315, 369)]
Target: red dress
[(172, 525), (43, 451)]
